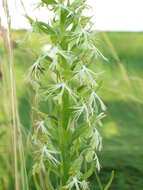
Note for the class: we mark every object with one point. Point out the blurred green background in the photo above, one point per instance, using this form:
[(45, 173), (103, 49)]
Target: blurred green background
[(122, 92)]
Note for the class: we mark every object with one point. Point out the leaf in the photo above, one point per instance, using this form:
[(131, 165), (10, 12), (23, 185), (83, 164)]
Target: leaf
[(36, 183), (49, 2), (77, 3), (110, 181), (48, 181), (76, 166), (29, 19), (89, 172), (79, 131), (89, 156), (85, 20), (39, 26), (53, 118), (65, 109), (63, 16), (81, 88)]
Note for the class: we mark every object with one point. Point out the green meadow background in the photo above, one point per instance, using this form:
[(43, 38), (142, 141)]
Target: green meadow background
[(122, 92)]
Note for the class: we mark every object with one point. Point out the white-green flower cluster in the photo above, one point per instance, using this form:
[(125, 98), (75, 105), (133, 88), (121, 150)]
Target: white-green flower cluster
[(66, 136)]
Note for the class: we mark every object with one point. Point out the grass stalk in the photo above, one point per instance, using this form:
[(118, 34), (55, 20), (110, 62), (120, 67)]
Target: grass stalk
[(12, 86), (17, 135), (116, 57)]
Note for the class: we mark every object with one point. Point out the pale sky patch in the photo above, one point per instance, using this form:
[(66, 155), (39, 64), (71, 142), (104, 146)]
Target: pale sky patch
[(113, 15)]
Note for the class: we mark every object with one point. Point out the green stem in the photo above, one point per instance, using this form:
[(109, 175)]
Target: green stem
[(98, 180)]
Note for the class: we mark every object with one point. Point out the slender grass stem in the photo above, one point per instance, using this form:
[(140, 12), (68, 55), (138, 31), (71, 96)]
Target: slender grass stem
[(115, 55), (17, 136), (12, 85)]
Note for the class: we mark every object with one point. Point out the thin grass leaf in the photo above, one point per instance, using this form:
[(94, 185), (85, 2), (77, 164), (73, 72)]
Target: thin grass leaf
[(110, 181)]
